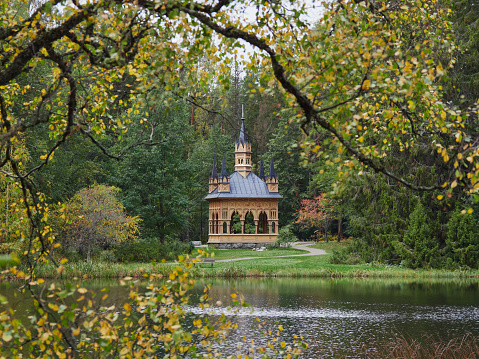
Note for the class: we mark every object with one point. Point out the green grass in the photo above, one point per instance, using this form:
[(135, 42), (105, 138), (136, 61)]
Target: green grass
[(246, 253), (265, 264), (319, 266)]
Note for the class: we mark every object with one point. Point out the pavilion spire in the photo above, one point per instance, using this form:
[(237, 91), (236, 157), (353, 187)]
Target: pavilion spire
[(223, 167), (261, 169), (214, 174), (243, 138), (272, 173)]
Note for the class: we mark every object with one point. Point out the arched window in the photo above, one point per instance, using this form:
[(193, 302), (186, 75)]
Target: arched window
[(225, 228), (213, 223), (249, 225), (263, 223), (235, 225)]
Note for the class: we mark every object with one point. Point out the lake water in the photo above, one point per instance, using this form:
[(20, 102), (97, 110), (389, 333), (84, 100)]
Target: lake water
[(335, 317)]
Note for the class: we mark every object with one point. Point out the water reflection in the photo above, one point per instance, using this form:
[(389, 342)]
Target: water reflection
[(338, 316), (334, 316)]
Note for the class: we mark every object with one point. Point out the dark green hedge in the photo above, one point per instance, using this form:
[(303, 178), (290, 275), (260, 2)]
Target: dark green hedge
[(149, 250)]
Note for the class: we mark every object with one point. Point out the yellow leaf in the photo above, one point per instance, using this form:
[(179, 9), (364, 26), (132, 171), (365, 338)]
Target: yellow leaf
[(470, 210), (439, 197), (366, 85), (6, 337), (439, 70), (454, 184), (82, 290)]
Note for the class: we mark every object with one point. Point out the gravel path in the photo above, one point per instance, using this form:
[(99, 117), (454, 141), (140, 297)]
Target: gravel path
[(303, 246)]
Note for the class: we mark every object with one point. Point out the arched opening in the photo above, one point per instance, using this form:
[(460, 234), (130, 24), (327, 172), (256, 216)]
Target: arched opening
[(212, 223), (263, 223), (235, 225), (249, 225), (225, 228)]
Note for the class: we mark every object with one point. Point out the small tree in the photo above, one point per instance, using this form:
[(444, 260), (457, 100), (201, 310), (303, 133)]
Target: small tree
[(419, 247), (317, 213), (286, 237), (95, 218), (463, 239)]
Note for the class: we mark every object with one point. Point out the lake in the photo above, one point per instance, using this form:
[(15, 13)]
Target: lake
[(336, 317)]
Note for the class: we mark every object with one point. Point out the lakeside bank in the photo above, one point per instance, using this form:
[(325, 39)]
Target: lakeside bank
[(276, 263)]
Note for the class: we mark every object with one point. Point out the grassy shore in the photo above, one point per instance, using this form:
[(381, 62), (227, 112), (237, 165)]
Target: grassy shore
[(267, 263)]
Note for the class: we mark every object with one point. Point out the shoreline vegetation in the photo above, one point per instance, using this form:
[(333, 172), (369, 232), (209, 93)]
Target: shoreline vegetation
[(266, 264)]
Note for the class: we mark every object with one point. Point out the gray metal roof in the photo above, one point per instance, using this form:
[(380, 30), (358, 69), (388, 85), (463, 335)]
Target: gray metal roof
[(250, 187)]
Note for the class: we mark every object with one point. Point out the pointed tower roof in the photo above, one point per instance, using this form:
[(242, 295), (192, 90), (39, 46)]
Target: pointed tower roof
[(261, 169), (272, 174), (223, 167), (243, 139), (214, 174)]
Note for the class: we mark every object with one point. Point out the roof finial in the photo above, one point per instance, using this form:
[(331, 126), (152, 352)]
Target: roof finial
[(242, 111)]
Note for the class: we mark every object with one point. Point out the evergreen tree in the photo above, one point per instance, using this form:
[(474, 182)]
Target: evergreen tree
[(420, 247), (154, 177), (463, 240)]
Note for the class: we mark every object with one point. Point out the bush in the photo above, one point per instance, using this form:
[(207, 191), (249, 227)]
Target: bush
[(348, 255), (286, 237), (148, 250)]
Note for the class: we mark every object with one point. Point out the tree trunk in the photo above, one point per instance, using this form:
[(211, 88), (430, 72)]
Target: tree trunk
[(88, 252), (340, 227)]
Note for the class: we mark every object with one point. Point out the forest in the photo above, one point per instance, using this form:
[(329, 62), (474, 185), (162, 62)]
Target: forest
[(369, 115)]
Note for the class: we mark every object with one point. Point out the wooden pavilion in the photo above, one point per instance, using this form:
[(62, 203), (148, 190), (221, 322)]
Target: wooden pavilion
[(243, 207)]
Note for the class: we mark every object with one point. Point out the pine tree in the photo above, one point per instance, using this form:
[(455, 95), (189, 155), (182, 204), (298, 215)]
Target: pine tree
[(463, 240), (422, 248)]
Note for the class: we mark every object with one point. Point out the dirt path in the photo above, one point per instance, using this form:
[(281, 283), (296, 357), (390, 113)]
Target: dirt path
[(303, 246)]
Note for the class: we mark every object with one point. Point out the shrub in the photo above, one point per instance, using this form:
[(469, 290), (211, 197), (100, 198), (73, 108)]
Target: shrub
[(346, 256), (148, 250), (286, 237)]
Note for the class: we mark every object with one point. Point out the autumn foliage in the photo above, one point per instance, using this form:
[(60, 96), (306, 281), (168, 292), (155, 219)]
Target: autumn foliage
[(95, 218), (318, 212)]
